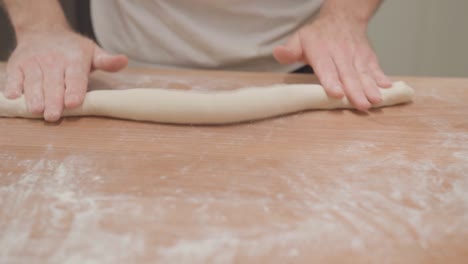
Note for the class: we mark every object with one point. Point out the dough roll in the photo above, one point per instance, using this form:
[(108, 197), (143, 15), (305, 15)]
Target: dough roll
[(213, 107)]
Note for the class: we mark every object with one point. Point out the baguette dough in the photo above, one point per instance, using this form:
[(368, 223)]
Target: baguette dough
[(219, 107)]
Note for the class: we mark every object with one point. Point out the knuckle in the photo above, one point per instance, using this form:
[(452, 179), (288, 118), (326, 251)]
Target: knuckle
[(53, 76), (75, 69), (77, 81), (34, 73), (28, 63), (49, 60), (361, 70), (32, 69), (52, 63), (13, 80), (324, 66), (77, 58), (74, 61), (361, 66)]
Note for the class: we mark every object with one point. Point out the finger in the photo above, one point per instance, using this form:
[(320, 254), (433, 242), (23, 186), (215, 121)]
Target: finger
[(327, 73), (285, 56), (33, 87), (324, 67), (291, 52), (352, 84), (14, 82), (370, 87), (377, 73), (107, 62), (76, 82), (53, 87)]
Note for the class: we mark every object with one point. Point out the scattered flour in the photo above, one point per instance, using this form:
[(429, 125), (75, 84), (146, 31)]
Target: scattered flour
[(83, 222)]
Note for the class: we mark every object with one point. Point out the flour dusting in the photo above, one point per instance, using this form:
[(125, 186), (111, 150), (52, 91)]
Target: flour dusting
[(70, 211), (64, 211)]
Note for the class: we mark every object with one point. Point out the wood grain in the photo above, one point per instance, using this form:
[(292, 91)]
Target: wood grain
[(390, 186)]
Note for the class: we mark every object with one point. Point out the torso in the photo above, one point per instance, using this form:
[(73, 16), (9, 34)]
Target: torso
[(206, 34)]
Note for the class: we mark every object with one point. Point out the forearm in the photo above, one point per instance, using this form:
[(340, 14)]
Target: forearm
[(358, 11), (35, 15)]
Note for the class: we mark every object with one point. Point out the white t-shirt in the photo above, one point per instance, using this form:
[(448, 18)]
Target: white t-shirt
[(203, 34)]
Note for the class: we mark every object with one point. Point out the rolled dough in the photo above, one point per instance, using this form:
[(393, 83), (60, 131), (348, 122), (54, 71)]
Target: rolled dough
[(220, 107)]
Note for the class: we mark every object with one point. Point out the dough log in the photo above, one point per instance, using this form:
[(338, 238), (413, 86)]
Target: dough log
[(220, 107)]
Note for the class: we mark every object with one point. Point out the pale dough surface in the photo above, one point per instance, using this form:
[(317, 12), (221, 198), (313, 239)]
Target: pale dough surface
[(216, 107)]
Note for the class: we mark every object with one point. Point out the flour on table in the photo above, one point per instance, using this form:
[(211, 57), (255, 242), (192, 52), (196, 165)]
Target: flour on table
[(350, 215)]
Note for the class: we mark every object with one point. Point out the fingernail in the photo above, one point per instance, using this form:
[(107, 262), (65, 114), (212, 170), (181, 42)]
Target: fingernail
[(376, 100), (52, 116), (364, 106), (289, 49), (386, 80), (337, 90), (71, 99), (336, 87), (12, 94)]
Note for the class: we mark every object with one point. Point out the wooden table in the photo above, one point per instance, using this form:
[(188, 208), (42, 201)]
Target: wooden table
[(390, 186)]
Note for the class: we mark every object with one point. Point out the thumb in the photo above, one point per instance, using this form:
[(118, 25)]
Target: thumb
[(107, 62), (291, 52)]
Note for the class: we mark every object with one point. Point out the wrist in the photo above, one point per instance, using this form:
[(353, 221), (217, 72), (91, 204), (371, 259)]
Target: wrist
[(30, 16), (23, 35), (340, 23), (344, 19), (357, 12), (22, 30)]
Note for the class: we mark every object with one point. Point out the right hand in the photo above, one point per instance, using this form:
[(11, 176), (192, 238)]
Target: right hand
[(52, 69)]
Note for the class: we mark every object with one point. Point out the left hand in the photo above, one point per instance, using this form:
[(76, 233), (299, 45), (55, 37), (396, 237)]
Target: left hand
[(342, 58)]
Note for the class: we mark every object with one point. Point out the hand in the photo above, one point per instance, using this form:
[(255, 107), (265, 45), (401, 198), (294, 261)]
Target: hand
[(342, 58), (52, 69)]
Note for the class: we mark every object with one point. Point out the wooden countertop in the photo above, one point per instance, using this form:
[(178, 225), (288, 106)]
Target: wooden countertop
[(316, 187)]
